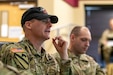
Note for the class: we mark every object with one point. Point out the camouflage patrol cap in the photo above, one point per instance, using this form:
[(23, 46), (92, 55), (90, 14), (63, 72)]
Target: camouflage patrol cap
[(38, 13)]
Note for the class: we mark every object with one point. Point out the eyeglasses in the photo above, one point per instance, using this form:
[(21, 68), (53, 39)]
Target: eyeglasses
[(45, 20)]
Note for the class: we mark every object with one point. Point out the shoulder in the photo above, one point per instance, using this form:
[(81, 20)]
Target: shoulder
[(4, 45), (8, 44), (10, 47), (106, 31), (5, 48), (87, 57), (12, 53)]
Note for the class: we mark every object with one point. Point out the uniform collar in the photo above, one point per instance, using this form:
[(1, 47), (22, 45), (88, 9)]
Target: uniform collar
[(33, 49), (80, 57)]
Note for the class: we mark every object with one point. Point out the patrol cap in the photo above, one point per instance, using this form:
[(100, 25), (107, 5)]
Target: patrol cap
[(38, 13)]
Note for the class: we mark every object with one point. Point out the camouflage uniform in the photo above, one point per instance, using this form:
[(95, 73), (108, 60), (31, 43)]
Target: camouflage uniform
[(83, 65), (23, 55), (9, 70), (106, 49)]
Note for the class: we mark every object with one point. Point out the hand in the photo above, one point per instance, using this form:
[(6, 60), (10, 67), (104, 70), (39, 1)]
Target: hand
[(61, 47)]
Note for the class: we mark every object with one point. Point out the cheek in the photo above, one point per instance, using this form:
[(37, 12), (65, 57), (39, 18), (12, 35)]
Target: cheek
[(35, 29), (77, 43)]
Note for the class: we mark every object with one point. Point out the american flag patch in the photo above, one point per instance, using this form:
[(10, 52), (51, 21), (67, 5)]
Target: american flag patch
[(17, 50)]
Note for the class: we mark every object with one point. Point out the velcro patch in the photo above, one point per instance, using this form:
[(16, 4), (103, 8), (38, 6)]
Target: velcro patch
[(15, 50)]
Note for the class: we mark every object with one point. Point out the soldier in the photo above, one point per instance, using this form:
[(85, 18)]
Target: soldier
[(29, 53), (106, 42), (9, 70), (81, 63)]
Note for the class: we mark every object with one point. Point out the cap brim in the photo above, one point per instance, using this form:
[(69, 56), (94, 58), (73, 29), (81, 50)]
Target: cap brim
[(53, 18)]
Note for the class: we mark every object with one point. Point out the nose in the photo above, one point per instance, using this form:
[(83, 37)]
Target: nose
[(87, 43), (49, 24)]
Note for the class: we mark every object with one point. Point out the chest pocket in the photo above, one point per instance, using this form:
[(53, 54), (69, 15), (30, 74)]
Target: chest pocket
[(21, 60)]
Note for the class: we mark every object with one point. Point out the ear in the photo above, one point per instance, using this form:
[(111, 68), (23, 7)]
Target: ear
[(72, 37), (28, 24)]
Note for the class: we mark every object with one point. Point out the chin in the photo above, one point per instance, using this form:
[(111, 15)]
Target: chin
[(84, 52), (47, 38)]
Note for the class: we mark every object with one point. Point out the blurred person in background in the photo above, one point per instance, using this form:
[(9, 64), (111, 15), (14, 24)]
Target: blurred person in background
[(106, 43)]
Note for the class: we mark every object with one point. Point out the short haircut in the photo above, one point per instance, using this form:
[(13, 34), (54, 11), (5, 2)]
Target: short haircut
[(76, 30)]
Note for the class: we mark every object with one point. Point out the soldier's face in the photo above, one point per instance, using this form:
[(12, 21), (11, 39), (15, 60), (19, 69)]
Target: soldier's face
[(41, 29), (111, 24), (81, 42)]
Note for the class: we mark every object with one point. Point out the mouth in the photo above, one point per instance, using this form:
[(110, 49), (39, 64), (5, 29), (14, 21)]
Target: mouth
[(47, 31), (85, 49)]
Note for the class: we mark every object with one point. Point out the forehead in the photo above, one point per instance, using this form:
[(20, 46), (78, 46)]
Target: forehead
[(85, 33)]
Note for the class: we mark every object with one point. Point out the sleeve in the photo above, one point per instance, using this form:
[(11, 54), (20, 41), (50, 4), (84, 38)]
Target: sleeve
[(4, 70), (9, 70), (103, 37), (102, 43), (65, 65), (99, 71), (13, 55)]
